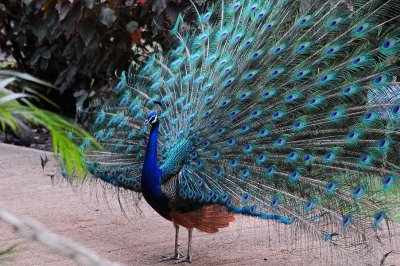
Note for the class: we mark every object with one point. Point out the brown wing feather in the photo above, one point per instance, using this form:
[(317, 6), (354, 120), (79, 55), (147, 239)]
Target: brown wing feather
[(208, 218)]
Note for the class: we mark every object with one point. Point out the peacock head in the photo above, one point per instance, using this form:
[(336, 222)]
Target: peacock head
[(151, 118)]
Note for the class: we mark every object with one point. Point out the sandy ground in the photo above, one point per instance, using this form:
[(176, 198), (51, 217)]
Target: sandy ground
[(141, 239)]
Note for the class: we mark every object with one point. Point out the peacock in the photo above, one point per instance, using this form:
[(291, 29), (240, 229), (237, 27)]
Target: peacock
[(266, 109)]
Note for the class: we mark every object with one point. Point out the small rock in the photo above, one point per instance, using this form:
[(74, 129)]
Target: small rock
[(41, 146)]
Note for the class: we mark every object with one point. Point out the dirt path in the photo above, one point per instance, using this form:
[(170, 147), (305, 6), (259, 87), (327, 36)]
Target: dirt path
[(141, 240)]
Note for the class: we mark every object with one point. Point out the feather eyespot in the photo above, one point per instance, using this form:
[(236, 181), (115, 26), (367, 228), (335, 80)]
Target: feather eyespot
[(233, 163), (396, 109), (335, 22), (278, 49), (207, 113), (228, 82), (275, 73), (280, 142), (231, 142), (256, 114), (216, 154), (268, 94), (336, 114), (309, 205), (263, 133), (307, 158), (277, 114), (245, 173), (219, 172), (303, 47), (248, 148), (300, 74), (365, 160), (248, 42), (304, 21), (329, 156), (236, 38), (362, 28), (221, 131), (261, 158), (384, 143), (370, 117), (293, 155), (346, 221), (358, 192), (349, 90), (378, 218), (331, 187), (314, 101), (299, 125), (270, 171), (353, 136), (244, 129), (213, 123), (223, 104), (294, 176), (253, 8), (246, 196), (233, 113), (274, 202), (389, 43)]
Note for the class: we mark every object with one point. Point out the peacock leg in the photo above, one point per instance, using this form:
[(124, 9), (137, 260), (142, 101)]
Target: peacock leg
[(189, 252), (177, 255)]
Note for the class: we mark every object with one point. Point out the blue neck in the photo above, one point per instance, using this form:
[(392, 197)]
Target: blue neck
[(150, 159), (151, 185)]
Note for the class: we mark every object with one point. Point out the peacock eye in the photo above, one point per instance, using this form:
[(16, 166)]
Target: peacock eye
[(152, 119)]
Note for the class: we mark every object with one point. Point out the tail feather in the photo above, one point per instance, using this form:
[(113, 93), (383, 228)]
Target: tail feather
[(292, 111)]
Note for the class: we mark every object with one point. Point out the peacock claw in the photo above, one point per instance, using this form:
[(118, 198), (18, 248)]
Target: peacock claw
[(177, 256), (187, 259)]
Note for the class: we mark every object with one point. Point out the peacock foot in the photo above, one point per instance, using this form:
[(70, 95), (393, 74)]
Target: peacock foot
[(187, 259), (176, 256)]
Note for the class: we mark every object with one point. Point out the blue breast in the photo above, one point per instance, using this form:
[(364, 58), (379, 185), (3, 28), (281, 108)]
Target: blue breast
[(152, 175)]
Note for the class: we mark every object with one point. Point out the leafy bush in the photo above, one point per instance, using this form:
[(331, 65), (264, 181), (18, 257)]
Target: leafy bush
[(18, 92), (79, 44)]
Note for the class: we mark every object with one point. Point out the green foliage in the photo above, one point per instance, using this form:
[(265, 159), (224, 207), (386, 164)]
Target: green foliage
[(78, 45), (16, 105)]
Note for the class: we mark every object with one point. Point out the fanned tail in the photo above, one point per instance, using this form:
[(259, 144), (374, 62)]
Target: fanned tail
[(290, 115), (293, 117)]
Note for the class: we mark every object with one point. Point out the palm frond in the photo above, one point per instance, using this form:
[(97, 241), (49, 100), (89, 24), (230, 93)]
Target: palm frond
[(16, 105)]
